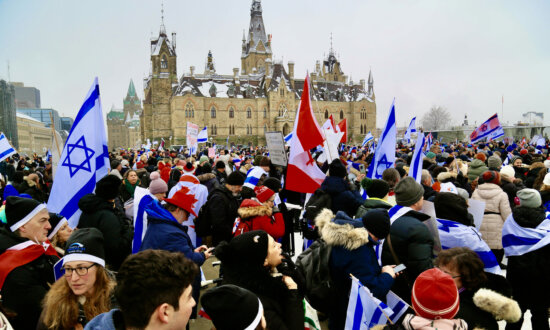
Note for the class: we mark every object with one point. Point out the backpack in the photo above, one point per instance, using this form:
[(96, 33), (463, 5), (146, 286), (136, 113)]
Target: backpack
[(313, 264), (241, 226), (319, 201)]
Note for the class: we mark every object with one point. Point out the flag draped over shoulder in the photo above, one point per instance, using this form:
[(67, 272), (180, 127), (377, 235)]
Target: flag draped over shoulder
[(491, 129), (142, 198), (303, 174), (6, 149), (384, 156), (416, 163), (84, 159), (518, 240)]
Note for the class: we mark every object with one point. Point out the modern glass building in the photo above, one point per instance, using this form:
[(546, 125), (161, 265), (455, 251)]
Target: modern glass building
[(43, 115)]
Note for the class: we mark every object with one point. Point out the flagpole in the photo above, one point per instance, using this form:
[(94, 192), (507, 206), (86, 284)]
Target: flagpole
[(386, 315), (54, 135)]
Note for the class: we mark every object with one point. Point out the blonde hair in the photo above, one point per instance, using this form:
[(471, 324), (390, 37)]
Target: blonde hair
[(61, 304)]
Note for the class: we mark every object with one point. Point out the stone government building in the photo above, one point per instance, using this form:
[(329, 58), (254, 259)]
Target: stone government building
[(262, 97)]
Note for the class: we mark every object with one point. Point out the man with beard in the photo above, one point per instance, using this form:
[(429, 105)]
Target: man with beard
[(223, 203)]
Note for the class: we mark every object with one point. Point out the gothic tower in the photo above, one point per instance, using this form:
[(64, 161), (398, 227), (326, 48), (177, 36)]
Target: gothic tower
[(257, 48), (155, 121), (132, 104)]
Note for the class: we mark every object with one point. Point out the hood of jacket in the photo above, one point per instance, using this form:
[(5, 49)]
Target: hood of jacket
[(344, 235), (500, 306), (476, 164), (251, 208), (528, 217), (334, 185), (91, 203), (155, 210), (443, 176), (488, 190), (106, 321), (206, 177), (9, 239)]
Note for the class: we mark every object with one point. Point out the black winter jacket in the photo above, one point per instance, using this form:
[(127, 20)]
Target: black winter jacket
[(343, 198), (26, 286), (113, 224), (413, 245), (223, 208)]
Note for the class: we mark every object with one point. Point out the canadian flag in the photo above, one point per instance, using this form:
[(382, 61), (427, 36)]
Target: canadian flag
[(343, 127), (330, 125), (303, 174)]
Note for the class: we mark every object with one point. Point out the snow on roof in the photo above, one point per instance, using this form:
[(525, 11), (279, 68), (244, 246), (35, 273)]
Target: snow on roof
[(20, 115)]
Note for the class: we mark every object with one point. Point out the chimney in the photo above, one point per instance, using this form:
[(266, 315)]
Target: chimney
[(267, 67), (235, 73), (318, 66), (174, 40), (192, 69), (362, 81), (291, 70)]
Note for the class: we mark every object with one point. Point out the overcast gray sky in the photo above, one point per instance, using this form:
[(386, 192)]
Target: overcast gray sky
[(463, 55)]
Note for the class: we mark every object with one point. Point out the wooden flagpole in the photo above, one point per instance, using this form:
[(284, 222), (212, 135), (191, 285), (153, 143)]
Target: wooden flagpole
[(55, 135)]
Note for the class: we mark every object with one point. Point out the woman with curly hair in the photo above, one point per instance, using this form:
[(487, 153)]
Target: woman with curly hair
[(86, 288)]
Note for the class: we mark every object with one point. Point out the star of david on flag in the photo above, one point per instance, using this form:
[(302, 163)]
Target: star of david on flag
[(384, 156), (84, 160)]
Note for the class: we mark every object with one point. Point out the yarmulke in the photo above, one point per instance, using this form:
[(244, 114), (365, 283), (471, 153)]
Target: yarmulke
[(85, 244), (529, 198), (408, 191), (107, 187), (434, 295), (377, 222), (232, 307), (20, 210)]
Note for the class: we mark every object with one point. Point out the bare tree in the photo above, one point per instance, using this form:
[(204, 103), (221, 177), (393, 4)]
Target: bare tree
[(437, 118)]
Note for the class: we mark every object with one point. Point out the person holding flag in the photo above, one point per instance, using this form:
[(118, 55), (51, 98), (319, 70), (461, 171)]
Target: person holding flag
[(26, 260)]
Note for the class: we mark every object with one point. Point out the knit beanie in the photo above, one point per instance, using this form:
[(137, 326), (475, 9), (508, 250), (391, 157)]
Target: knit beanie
[(451, 206), (107, 187), (85, 244), (378, 189), (203, 158), (21, 210), (273, 184), (408, 191), (523, 152), (220, 164), (188, 168), (56, 222), (235, 179), (263, 193), (377, 222), (434, 295), (206, 168), (514, 160), (157, 185), (232, 307), (430, 155), (529, 198), (337, 169), (490, 177), (508, 171), (547, 163), (546, 179), (481, 156), (494, 162), (249, 248)]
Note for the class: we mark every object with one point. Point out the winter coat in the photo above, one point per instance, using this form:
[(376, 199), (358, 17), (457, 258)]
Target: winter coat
[(521, 172), (112, 320), (25, 286), (478, 316), (29, 187), (165, 173), (351, 253), (343, 198), (429, 193), (221, 177), (529, 274), (511, 189), (209, 181), (532, 176), (113, 224), (413, 245), (497, 209), (477, 167), (223, 211), (371, 203), (165, 233), (261, 217)]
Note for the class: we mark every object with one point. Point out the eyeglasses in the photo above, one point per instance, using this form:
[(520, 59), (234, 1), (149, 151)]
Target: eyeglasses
[(450, 274), (80, 271)]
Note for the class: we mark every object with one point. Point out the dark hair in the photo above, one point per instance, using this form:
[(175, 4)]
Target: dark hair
[(150, 278), (467, 263), (391, 176)]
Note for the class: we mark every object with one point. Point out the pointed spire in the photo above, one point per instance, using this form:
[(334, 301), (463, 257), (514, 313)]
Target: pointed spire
[(131, 89), (331, 52), (162, 28), (371, 81)]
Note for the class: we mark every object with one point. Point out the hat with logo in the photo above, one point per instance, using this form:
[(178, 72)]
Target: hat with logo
[(85, 244)]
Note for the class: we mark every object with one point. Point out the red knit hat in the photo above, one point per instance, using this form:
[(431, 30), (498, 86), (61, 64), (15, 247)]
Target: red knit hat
[(183, 199), (263, 193), (434, 295), (481, 156), (523, 152), (491, 177)]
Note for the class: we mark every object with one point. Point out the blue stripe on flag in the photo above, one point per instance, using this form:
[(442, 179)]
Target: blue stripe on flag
[(72, 206), (7, 152), (86, 107), (138, 224), (358, 315), (252, 180), (488, 258), (510, 240)]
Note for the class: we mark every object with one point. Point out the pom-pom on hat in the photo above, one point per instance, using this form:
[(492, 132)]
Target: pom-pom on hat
[(56, 221), (189, 168), (184, 200), (107, 187), (20, 210), (85, 244), (157, 185), (232, 307), (263, 193), (434, 295)]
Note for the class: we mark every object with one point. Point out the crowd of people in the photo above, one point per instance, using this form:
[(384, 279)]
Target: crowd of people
[(133, 260)]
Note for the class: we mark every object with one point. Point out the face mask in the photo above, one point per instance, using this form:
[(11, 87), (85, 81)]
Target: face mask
[(373, 241)]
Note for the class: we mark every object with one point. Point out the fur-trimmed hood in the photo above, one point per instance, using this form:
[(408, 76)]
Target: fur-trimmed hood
[(30, 182), (501, 307), (340, 235), (441, 177), (206, 176), (252, 208)]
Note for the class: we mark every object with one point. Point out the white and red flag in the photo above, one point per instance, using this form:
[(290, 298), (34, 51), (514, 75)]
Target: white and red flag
[(330, 125), (343, 127), (303, 174)]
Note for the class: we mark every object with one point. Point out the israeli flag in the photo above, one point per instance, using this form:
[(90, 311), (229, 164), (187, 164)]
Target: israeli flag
[(84, 160), (364, 310), (429, 142), (142, 198), (453, 234), (203, 136), (518, 240), (288, 137), (384, 156), (416, 164), (6, 149), (253, 176), (367, 139), (397, 305), (49, 156), (410, 129)]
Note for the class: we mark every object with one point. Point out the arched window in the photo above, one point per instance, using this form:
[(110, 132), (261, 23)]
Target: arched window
[(248, 113), (282, 91), (189, 111), (265, 128), (282, 109), (163, 62), (213, 112), (326, 114), (341, 114), (231, 112), (192, 113), (265, 112), (186, 113), (215, 129)]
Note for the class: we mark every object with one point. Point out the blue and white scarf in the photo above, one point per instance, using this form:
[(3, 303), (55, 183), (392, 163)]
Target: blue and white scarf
[(518, 240)]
